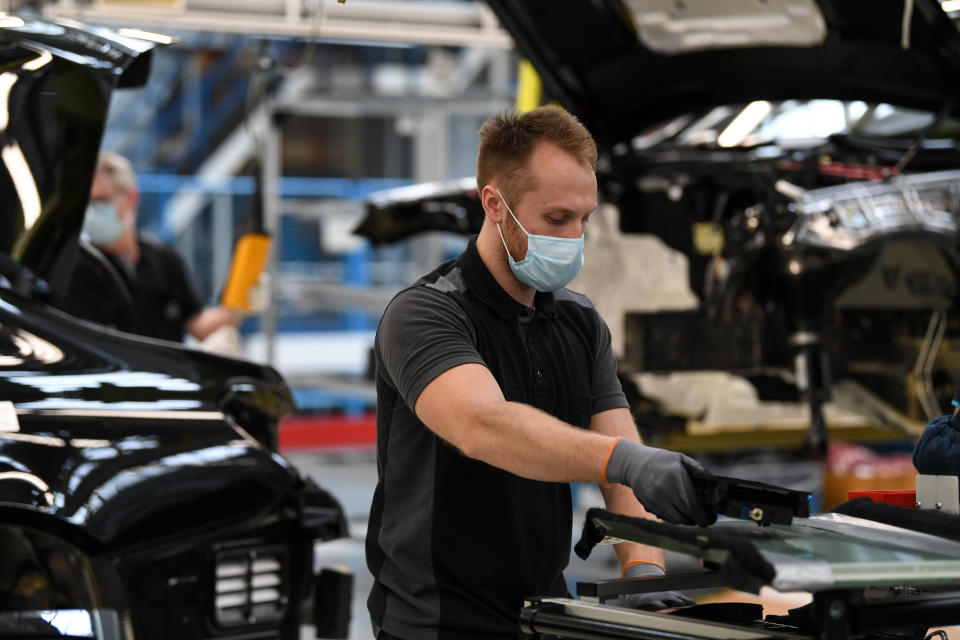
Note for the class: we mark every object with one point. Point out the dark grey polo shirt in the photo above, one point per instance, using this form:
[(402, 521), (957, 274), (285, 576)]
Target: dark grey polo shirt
[(455, 544)]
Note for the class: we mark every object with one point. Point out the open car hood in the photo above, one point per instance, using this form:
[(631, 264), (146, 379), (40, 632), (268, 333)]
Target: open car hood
[(55, 85), (395, 214), (623, 65)]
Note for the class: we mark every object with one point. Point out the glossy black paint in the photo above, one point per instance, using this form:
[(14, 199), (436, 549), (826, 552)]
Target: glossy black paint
[(126, 463), (90, 367), (591, 61), (452, 206), (57, 82)]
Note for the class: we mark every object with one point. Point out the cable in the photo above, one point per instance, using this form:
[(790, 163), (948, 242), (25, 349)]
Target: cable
[(905, 25), (918, 141), (919, 368), (923, 368), (931, 360)]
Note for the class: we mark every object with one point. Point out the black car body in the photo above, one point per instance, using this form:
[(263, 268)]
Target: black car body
[(141, 494), (820, 269)]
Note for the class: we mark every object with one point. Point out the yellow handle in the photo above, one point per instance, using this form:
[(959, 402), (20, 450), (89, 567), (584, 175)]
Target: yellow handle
[(249, 258)]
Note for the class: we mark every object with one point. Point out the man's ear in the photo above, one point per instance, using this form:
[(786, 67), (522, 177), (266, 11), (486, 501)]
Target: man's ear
[(131, 200), (492, 204)]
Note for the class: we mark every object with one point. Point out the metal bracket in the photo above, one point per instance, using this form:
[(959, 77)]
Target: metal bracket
[(941, 493)]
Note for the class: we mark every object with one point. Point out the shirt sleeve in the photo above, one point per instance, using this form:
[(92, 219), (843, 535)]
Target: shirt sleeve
[(422, 334), (191, 302), (98, 292), (607, 392)]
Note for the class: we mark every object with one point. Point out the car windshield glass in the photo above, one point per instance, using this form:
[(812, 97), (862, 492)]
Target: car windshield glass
[(762, 122)]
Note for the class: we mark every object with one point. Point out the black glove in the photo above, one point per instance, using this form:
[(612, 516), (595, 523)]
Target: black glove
[(649, 601), (661, 481)]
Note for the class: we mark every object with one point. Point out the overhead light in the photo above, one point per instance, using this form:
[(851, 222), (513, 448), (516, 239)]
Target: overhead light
[(950, 5), (744, 123)]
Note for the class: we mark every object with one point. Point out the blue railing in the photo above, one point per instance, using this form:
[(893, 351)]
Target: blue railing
[(157, 189)]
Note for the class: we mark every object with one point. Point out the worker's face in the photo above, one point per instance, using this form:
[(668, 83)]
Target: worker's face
[(120, 202), (557, 201), (105, 189)]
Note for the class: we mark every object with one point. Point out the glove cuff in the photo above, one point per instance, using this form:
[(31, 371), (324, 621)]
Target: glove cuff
[(642, 568), (606, 462)]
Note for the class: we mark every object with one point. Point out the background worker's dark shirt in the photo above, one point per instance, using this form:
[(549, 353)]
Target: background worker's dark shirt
[(455, 544), (162, 295)]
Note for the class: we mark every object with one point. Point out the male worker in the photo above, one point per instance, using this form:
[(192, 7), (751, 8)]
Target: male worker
[(155, 295), (496, 388)]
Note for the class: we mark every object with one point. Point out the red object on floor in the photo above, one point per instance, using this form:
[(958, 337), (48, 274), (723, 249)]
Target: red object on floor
[(900, 498), (328, 432)]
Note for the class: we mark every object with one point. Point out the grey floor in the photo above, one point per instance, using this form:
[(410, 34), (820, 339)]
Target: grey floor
[(351, 476)]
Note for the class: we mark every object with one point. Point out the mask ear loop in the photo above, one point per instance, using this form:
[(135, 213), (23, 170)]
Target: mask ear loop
[(500, 231), (511, 212), (504, 242)]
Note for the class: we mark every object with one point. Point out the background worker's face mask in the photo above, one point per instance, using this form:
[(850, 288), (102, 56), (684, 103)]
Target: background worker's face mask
[(101, 223), (550, 262)]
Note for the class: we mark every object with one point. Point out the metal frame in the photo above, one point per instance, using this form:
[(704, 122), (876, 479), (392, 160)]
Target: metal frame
[(567, 618), (408, 22), (837, 614), (870, 592), (431, 117)]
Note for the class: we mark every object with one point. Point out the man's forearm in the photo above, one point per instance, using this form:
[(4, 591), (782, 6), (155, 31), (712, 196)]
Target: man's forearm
[(466, 407), (530, 443), (551, 450), (620, 499)]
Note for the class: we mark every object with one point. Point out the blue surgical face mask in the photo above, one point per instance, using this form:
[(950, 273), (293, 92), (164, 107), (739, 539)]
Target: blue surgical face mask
[(550, 262), (101, 223)]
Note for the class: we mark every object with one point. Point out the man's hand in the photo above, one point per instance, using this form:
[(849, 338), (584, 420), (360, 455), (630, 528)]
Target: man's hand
[(649, 601), (661, 481)]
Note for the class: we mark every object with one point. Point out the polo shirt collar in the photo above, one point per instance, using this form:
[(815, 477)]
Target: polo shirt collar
[(482, 283)]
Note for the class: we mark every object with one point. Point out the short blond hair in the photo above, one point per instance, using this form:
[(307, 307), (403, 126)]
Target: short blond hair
[(118, 169), (508, 139)]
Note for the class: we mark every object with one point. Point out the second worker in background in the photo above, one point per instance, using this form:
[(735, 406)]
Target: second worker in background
[(131, 281)]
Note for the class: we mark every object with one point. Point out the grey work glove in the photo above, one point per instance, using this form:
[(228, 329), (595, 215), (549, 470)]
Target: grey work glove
[(661, 481), (649, 601)]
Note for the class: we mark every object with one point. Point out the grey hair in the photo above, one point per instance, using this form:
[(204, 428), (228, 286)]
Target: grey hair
[(118, 169)]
